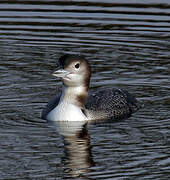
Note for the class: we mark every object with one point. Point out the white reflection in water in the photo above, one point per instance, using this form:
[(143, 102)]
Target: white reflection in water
[(77, 157)]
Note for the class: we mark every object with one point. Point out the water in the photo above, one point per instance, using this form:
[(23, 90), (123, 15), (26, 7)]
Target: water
[(127, 44)]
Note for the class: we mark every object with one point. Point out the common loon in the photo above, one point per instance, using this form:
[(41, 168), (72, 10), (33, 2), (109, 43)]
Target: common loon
[(75, 104)]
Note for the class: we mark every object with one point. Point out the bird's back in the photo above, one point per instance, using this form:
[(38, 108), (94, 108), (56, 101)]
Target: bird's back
[(111, 104)]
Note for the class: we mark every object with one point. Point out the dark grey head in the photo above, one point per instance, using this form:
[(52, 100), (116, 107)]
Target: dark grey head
[(74, 70)]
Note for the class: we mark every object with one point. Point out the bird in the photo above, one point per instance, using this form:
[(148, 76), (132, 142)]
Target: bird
[(76, 103)]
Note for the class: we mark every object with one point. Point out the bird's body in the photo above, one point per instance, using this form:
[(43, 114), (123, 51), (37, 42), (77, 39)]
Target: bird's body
[(74, 103)]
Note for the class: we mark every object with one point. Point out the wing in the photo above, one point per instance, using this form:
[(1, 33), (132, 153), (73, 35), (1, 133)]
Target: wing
[(111, 103), (50, 106)]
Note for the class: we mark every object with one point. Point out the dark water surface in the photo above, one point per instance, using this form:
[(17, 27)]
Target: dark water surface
[(128, 45)]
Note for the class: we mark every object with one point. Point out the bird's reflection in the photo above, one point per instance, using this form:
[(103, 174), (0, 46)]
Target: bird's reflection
[(77, 157)]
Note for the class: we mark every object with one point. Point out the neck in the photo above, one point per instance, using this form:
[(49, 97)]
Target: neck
[(75, 95)]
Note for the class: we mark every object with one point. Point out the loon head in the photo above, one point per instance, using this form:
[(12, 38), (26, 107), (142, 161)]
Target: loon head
[(74, 71)]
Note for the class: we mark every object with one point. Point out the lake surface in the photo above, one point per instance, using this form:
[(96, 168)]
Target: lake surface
[(128, 46)]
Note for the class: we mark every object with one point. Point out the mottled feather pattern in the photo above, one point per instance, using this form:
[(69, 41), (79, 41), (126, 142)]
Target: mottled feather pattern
[(112, 99), (111, 104)]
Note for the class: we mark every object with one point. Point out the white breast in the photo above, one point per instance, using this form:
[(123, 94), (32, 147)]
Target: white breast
[(66, 112)]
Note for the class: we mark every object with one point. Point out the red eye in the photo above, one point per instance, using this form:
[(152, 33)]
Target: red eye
[(77, 65)]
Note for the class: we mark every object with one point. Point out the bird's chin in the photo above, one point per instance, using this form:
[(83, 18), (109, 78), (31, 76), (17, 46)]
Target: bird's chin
[(66, 80), (67, 77)]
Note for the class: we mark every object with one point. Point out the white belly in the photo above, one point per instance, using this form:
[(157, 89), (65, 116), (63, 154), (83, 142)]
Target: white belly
[(66, 112)]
